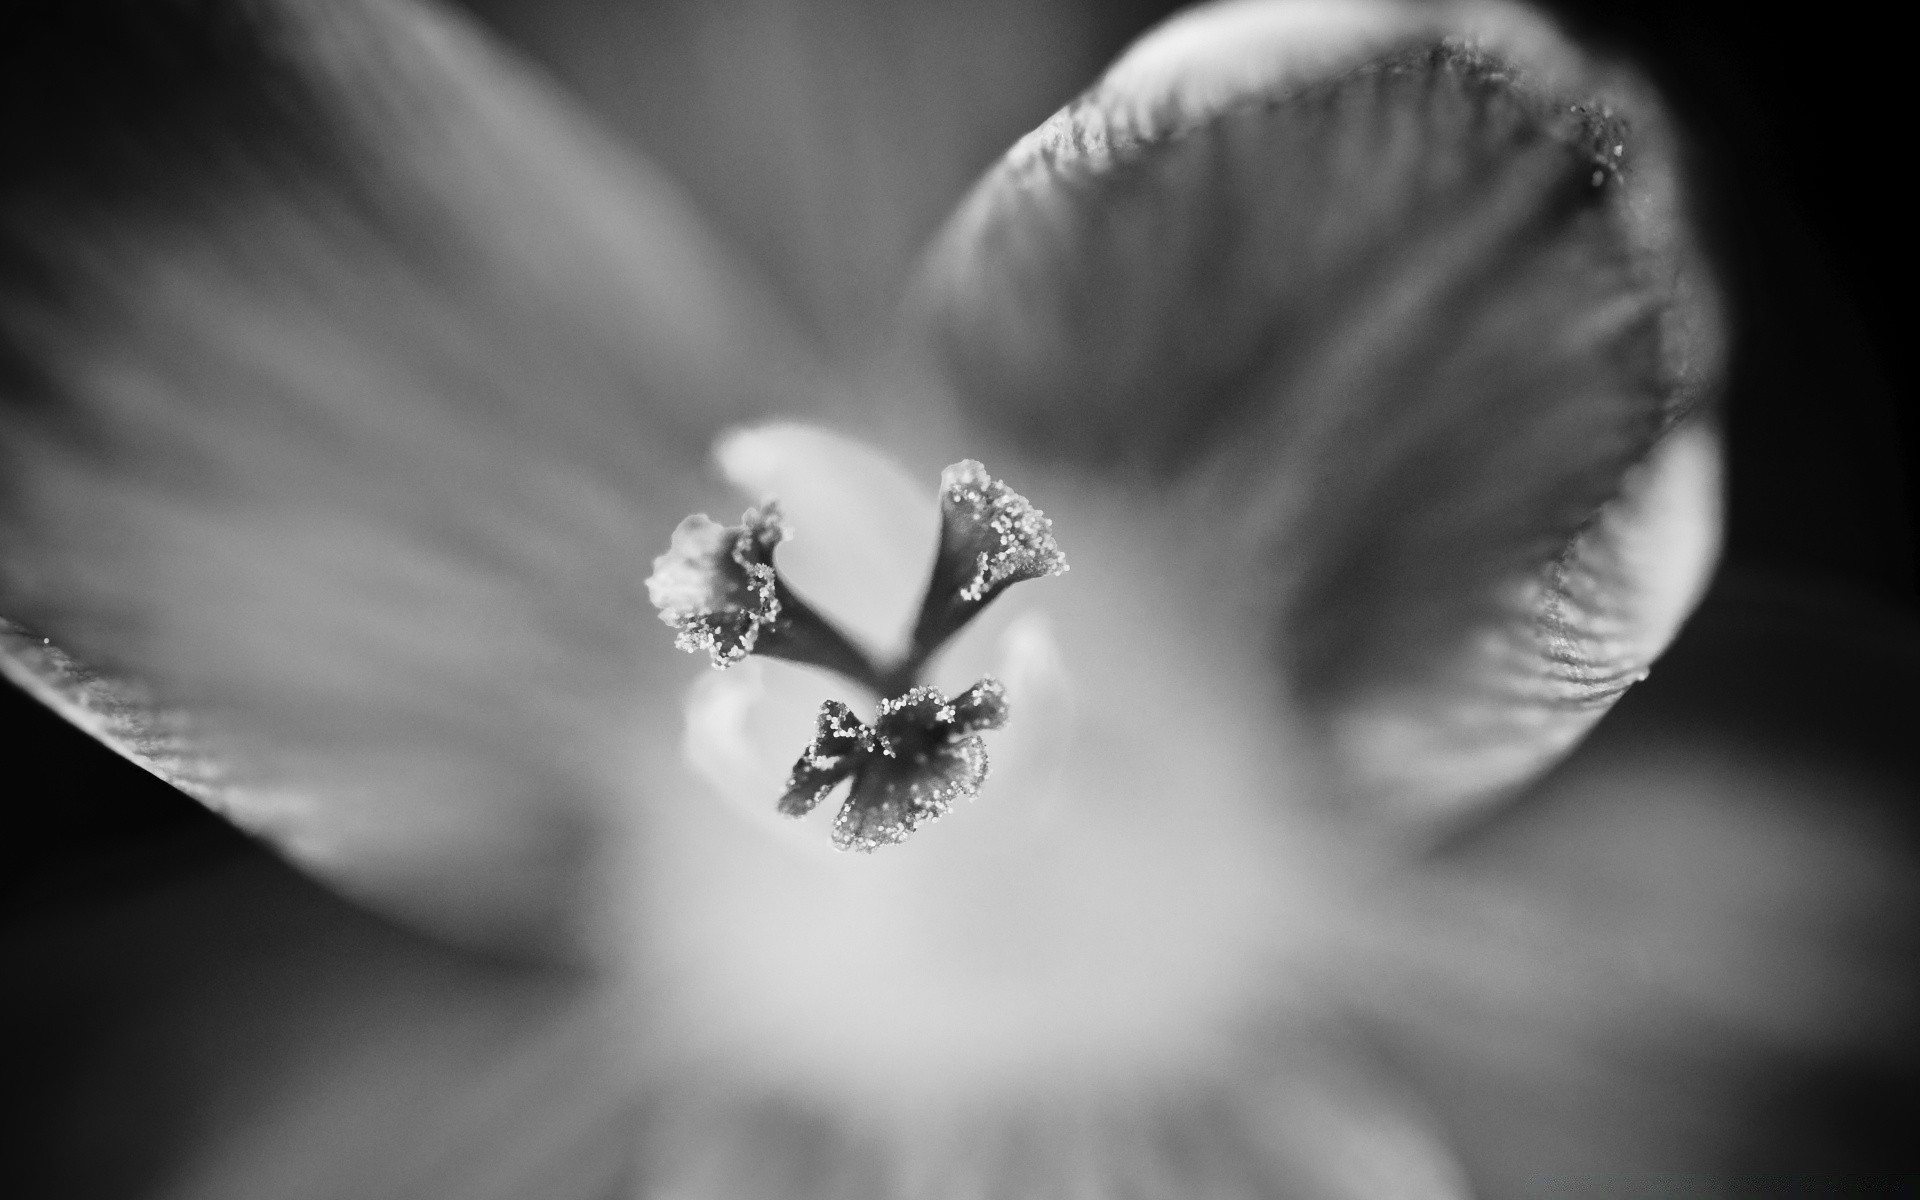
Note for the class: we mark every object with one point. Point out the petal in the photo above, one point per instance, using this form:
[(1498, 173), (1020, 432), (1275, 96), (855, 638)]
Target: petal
[(352, 381), (1642, 972), (1577, 635), (828, 138), (1386, 301)]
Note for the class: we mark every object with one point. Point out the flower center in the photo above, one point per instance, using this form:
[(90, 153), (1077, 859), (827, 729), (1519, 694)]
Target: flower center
[(719, 589), (1132, 898)]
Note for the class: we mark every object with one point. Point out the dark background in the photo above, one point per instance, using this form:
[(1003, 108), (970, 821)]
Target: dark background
[(1800, 134), (1796, 133)]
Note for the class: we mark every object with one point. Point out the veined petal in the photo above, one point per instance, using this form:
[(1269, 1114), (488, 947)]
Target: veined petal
[(1388, 300), (350, 379), (1524, 689)]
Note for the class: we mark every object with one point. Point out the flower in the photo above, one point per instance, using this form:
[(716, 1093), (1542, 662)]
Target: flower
[(365, 398)]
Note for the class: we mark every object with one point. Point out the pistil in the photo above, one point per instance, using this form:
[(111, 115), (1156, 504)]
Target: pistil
[(719, 588)]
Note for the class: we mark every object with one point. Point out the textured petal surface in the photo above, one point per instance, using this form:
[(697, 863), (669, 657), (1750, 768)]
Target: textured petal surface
[(1574, 638), (1387, 300), (351, 382)]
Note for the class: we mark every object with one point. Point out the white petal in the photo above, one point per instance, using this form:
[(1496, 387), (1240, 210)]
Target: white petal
[(1385, 302), (1524, 690), (352, 416)]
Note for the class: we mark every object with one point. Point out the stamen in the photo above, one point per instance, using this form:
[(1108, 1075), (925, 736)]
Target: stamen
[(716, 584), (922, 753), (719, 589), (991, 537)]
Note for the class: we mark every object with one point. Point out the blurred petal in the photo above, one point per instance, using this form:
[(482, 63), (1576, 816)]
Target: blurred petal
[(827, 138), (1388, 300), (1622, 983), (1612, 987), (351, 381)]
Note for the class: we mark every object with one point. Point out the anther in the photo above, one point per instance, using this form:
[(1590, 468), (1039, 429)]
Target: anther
[(922, 753), (991, 537), (716, 583), (718, 588)]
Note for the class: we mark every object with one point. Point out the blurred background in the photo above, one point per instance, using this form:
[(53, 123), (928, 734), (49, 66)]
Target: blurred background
[(827, 141)]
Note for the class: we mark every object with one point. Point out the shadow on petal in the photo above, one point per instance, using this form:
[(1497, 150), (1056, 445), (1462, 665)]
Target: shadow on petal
[(1389, 322)]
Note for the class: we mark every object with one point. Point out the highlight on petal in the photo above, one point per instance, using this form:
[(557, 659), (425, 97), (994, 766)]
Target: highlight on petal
[(1392, 300), (1212, 56), (349, 379)]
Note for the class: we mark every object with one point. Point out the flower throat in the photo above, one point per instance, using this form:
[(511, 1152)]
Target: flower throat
[(719, 589)]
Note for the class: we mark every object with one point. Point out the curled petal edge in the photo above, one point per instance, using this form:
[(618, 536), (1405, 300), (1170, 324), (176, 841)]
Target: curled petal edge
[(1522, 693)]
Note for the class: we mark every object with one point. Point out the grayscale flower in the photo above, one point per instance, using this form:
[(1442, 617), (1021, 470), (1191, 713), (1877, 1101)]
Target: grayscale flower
[(1359, 351)]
